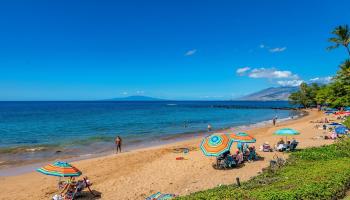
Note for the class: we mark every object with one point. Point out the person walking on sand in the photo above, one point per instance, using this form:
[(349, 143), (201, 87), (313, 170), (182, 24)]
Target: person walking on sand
[(209, 127), (118, 144)]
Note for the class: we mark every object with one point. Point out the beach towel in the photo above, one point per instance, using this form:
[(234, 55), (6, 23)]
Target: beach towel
[(160, 196)]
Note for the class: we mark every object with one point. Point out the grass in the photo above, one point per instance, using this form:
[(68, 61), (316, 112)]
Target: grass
[(314, 173)]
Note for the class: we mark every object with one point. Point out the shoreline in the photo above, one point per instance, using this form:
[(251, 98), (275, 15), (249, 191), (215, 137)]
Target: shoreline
[(19, 167), (140, 173)]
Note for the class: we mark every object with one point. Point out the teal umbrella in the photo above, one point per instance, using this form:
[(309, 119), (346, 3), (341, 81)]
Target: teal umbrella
[(286, 132)]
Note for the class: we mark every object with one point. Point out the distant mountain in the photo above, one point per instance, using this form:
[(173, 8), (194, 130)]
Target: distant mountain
[(271, 94), (135, 98)]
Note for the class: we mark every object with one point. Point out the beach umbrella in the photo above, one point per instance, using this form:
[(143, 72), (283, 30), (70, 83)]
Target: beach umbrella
[(216, 144), (242, 137), (286, 132), (60, 169), (341, 130), (347, 108), (334, 124)]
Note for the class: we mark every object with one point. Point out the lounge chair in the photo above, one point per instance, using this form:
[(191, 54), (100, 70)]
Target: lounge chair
[(74, 189), (226, 163)]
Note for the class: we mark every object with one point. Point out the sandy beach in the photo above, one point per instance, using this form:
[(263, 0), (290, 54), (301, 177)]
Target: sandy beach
[(140, 173)]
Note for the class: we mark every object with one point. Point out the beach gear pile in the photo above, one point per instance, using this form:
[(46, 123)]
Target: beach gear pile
[(160, 196)]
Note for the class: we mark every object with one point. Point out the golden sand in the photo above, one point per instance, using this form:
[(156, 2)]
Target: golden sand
[(140, 173)]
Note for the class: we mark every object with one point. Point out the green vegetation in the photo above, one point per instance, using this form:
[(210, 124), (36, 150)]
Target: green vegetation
[(313, 173), (335, 94), (347, 122)]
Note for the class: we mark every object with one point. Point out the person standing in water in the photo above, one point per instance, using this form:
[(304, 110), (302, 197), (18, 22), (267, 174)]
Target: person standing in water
[(118, 144), (274, 121)]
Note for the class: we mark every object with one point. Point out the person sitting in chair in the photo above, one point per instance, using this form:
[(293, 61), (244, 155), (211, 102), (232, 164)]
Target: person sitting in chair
[(265, 147), (252, 154), (293, 144), (280, 145)]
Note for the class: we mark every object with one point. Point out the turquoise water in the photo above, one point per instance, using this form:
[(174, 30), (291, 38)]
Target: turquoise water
[(37, 130)]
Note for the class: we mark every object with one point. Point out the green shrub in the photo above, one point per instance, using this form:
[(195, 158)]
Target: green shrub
[(347, 122), (313, 173)]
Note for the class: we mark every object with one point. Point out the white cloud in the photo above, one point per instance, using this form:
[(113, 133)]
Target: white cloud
[(124, 93), (277, 49), (241, 71), (261, 46), (321, 80), (190, 52), (271, 73), (290, 82)]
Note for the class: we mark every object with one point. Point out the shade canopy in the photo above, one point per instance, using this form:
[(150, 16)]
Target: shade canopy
[(286, 132), (242, 137), (61, 169), (341, 130), (216, 144)]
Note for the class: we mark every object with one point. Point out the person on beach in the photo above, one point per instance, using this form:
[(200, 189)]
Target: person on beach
[(209, 128), (274, 121), (118, 144)]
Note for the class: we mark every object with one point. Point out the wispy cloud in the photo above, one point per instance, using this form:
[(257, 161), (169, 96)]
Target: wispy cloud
[(321, 80), (124, 93), (272, 49), (271, 73), (241, 71), (277, 49), (191, 52), (290, 82)]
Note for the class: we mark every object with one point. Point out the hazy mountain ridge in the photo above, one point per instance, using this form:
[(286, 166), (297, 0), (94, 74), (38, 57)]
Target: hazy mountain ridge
[(135, 98), (270, 94)]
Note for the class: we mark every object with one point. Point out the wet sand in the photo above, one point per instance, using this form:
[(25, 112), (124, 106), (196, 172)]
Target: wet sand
[(140, 173)]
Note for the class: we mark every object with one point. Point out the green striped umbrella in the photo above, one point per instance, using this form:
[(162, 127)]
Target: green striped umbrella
[(216, 144), (61, 169)]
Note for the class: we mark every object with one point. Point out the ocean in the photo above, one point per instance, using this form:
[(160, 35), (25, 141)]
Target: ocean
[(36, 131)]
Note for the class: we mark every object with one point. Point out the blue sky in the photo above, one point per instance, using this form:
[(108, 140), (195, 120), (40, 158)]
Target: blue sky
[(85, 50)]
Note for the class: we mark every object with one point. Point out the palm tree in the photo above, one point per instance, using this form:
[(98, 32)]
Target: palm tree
[(344, 73), (342, 37)]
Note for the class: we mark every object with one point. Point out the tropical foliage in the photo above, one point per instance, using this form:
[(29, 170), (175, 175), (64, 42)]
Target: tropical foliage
[(341, 37), (335, 94)]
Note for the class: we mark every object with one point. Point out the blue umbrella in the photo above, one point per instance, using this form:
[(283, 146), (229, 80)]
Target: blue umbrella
[(334, 124), (341, 130), (347, 108)]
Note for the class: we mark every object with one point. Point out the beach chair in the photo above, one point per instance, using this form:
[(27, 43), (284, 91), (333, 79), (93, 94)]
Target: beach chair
[(293, 146), (229, 162), (75, 189), (88, 184)]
